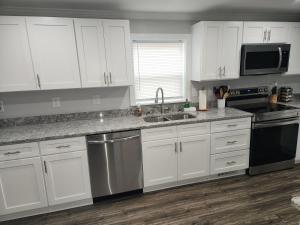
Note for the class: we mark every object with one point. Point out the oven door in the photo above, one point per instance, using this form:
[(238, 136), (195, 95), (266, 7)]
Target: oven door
[(264, 59), (273, 141)]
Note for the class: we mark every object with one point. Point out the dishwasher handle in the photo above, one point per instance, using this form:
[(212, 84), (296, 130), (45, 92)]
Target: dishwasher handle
[(114, 140)]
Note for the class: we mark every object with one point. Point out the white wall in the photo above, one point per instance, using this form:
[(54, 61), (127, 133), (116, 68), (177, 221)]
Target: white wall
[(34, 103), (39, 102), (248, 81)]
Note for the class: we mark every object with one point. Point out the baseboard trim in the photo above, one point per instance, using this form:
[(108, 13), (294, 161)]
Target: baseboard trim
[(193, 181), (49, 209)]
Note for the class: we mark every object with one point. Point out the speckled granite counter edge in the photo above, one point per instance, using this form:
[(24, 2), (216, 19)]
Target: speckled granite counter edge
[(133, 127)]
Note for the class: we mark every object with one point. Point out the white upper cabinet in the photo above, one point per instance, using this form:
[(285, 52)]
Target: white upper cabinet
[(294, 40), (21, 185), (277, 32), (216, 50), (118, 52), (16, 69), (91, 52), (254, 32), (52, 42), (231, 50), (265, 32), (213, 46), (104, 50)]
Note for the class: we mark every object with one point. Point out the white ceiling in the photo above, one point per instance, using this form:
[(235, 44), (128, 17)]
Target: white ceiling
[(171, 6)]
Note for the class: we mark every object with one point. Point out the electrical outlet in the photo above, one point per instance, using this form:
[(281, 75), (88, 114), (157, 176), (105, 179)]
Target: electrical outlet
[(56, 102), (1, 106), (96, 100)]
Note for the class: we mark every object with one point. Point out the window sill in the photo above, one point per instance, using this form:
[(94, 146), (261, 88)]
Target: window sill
[(167, 101)]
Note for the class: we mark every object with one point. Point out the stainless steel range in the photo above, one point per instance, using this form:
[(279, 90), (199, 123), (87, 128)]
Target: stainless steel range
[(274, 129)]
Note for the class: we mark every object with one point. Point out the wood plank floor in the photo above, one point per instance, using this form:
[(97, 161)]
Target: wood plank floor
[(258, 200)]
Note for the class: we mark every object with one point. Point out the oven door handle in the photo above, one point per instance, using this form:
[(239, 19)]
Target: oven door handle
[(275, 123), (280, 58)]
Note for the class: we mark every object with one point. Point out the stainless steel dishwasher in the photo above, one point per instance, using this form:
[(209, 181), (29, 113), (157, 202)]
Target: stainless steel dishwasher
[(115, 162)]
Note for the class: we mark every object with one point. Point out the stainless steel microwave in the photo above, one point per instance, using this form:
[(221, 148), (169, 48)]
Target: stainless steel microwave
[(260, 59)]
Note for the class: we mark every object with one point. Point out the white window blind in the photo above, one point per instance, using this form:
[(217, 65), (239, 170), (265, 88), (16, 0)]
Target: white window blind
[(159, 64)]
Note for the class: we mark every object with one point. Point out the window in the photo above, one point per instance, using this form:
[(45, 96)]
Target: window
[(159, 64)]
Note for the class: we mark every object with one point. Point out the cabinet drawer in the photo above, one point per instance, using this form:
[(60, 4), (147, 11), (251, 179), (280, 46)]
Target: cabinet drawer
[(63, 145), (159, 133), (230, 161), (234, 124), (19, 151), (193, 129), (230, 141)]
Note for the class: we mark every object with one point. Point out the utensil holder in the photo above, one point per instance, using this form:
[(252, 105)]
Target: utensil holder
[(221, 103)]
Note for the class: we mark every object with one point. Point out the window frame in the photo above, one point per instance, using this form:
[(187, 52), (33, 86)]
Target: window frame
[(186, 40)]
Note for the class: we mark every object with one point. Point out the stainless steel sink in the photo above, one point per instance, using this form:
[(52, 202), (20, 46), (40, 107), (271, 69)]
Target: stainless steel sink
[(170, 117), (155, 119), (180, 116)]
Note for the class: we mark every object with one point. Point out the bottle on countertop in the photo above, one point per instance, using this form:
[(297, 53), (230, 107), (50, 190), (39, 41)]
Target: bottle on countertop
[(273, 97), (186, 104)]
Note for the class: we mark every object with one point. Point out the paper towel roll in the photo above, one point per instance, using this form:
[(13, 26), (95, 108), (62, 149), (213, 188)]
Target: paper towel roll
[(202, 100)]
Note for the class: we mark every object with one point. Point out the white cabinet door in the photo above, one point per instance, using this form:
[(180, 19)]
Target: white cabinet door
[(118, 52), (212, 51), (294, 40), (21, 185), (91, 52), (160, 162), (194, 157), (231, 50), (67, 177), (277, 32), (16, 69), (254, 32), (52, 41)]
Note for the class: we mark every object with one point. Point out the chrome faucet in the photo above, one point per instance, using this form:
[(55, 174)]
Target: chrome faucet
[(162, 99)]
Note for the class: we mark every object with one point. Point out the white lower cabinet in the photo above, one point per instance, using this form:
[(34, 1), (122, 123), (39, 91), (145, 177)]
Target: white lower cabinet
[(38, 175), (66, 177), (21, 185), (175, 155), (193, 160), (230, 161), (230, 141), (175, 159), (160, 162)]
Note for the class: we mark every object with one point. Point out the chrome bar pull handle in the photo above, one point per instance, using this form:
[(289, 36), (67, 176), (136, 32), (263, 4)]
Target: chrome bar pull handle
[(12, 153), (269, 35), (231, 142), (280, 57), (110, 77), (38, 80), (175, 147), (265, 35), (104, 78), (180, 146), (224, 71), (45, 166), (63, 146)]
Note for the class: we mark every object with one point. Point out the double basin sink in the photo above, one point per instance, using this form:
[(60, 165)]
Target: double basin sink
[(168, 117)]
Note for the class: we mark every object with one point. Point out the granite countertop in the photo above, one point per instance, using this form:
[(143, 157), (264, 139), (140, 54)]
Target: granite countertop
[(75, 128)]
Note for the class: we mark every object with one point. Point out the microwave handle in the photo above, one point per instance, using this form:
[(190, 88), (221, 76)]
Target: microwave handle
[(280, 57)]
